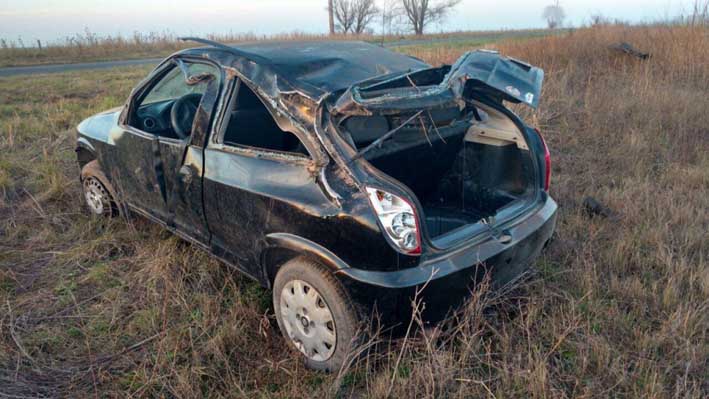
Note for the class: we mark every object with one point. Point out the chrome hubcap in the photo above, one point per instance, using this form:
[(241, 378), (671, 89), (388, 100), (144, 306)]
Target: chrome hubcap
[(308, 320), (96, 196)]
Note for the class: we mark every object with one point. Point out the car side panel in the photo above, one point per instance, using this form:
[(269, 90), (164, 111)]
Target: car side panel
[(134, 166), (249, 197)]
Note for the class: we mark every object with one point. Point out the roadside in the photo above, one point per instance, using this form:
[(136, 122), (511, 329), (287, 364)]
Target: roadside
[(57, 68), (41, 66)]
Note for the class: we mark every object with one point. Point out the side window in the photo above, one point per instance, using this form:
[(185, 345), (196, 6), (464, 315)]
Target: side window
[(250, 124), (183, 86), (174, 85)]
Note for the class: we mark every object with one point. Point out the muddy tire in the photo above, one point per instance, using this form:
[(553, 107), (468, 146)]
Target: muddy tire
[(97, 192), (315, 314)]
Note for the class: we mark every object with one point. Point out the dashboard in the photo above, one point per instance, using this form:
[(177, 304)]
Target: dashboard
[(155, 118)]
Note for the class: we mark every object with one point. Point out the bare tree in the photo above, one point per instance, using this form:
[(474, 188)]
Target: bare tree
[(554, 15), (390, 12), (353, 16), (365, 11), (421, 13), (344, 15), (599, 19), (700, 13)]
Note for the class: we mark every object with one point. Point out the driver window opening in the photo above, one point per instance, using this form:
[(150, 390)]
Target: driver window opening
[(169, 107), (250, 124)]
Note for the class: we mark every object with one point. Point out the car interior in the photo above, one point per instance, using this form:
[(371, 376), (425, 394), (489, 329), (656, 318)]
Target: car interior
[(169, 107), (251, 124)]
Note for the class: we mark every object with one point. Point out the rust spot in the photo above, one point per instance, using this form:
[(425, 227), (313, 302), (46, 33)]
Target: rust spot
[(231, 73)]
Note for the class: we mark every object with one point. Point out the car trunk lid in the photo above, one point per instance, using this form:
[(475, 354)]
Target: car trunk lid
[(480, 72)]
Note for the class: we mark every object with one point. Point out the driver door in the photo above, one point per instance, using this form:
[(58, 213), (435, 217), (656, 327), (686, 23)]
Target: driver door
[(161, 137)]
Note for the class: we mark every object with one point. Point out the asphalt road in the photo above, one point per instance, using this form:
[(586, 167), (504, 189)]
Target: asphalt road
[(56, 68)]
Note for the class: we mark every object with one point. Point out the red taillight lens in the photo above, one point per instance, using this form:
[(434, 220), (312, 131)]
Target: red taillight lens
[(547, 162)]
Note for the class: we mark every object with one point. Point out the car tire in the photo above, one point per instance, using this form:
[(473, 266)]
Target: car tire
[(316, 314), (97, 192)]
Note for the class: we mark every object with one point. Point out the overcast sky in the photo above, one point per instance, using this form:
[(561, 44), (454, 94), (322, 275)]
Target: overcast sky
[(52, 20)]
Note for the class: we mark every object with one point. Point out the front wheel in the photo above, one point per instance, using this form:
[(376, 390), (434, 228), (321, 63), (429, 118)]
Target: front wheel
[(315, 314), (96, 193)]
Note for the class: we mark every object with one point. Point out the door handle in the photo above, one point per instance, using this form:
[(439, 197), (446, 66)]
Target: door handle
[(186, 175)]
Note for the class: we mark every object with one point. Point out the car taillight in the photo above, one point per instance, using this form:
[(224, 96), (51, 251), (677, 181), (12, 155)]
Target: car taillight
[(399, 220), (547, 162)]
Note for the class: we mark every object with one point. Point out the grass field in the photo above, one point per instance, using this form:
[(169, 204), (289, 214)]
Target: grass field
[(88, 47), (619, 307)]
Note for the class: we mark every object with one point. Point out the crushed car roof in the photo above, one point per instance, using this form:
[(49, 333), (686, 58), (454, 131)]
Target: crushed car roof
[(314, 68)]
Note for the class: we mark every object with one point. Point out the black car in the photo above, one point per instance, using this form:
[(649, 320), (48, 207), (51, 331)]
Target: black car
[(341, 175)]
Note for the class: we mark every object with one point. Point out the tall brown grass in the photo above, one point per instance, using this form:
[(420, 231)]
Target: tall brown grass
[(618, 307), (88, 46)]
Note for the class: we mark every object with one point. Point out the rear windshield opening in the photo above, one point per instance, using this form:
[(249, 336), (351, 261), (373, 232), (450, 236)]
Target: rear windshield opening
[(366, 129), (419, 80)]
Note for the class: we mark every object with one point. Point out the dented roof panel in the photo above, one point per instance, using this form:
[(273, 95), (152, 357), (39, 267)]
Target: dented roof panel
[(316, 68)]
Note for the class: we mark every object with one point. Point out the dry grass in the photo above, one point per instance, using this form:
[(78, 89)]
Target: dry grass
[(86, 47), (619, 307)]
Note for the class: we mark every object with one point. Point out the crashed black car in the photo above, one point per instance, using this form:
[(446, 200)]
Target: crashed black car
[(341, 175)]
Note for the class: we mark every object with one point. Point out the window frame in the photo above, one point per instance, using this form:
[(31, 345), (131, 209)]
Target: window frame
[(143, 89), (216, 141)]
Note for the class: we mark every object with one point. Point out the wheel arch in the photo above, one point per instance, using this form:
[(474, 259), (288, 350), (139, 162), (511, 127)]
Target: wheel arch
[(93, 168), (282, 247), (85, 152)]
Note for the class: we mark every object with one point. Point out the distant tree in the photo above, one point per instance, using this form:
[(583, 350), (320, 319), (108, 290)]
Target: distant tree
[(700, 13), (599, 19), (364, 13), (344, 15), (421, 13), (354, 16), (554, 15), (390, 13)]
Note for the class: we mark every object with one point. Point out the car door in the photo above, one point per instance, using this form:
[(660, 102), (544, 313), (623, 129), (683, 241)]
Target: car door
[(134, 165), (258, 179), (166, 180), (182, 159)]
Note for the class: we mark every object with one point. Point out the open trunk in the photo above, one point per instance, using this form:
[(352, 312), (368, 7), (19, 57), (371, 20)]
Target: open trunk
[(437, 131), (461, 171)]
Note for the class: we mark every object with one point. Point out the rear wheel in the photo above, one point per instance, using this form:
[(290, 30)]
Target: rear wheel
[(315, 314)]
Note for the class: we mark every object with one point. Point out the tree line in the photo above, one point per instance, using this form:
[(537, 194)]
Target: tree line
[(358, 16)]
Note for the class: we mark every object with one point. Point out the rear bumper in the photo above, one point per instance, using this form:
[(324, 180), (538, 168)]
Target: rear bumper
[(450, 277)]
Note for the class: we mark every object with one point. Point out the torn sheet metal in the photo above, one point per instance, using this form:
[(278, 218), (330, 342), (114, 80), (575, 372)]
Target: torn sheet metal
[(498, 76), (299, 76)]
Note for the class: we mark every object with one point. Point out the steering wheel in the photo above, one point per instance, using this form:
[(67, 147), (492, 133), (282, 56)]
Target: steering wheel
[(182, 114)]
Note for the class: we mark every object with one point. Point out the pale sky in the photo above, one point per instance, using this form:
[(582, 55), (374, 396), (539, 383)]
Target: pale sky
[(49, 20)]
